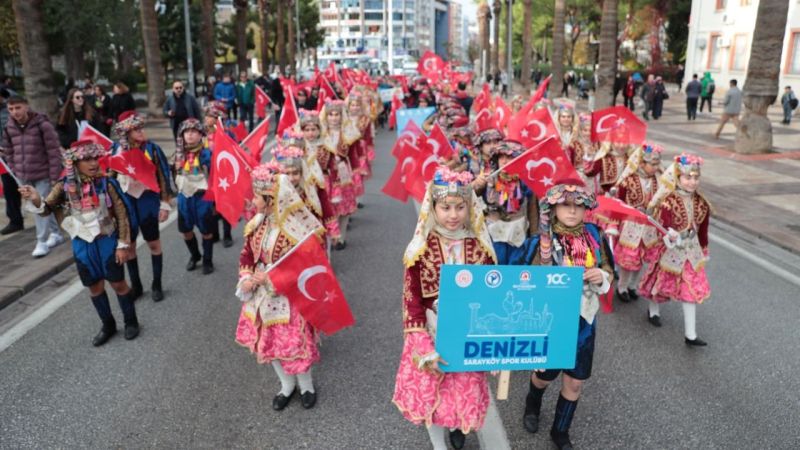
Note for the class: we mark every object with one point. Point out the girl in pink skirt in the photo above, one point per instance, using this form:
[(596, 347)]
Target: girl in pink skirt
[(450, 230), (679, 271), (269, 326)]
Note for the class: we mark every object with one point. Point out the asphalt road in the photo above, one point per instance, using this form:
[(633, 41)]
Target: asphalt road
[(185, 383)]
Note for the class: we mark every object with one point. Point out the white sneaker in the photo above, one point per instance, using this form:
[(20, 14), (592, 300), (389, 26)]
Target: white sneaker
[(41, 250), (55, 240)]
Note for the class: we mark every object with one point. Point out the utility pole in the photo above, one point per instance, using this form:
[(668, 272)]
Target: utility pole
[(510, 68), (189, 60), (391, 36), (297, 31)]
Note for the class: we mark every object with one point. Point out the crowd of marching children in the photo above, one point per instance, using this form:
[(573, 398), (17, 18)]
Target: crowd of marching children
[(521, 185)]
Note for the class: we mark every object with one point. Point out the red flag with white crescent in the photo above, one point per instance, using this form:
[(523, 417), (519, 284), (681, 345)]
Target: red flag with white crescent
[(135, 164), (543, 166), (437, 143), (502, 112), (288, 115), (257, 140), (90, 133), (396, 104), (483, 99), (430, 66), (262, 103), (230, 183), (532, 129), (306, 278), (617, 124)]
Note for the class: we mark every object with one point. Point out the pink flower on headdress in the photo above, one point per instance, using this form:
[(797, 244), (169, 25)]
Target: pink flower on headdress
[(686, 159), (445, 175)]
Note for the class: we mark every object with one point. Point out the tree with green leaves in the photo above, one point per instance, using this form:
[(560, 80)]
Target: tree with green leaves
[(557, 65), (607, 60), (35, 55)]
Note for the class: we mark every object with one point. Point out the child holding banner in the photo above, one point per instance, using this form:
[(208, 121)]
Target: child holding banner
[(269, 325), (566, 240), (450, 230), (678, 272)]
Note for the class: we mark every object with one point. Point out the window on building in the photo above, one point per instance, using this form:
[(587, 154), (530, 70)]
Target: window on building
[(739, 52), (713, 52), (373, 4), (793, 64), (355, 29), (373, 16), (721, 4)]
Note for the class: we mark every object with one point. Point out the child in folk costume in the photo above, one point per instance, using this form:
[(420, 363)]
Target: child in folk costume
[(290, 155), (566, 126), (485, 142), (608, 162), (192, 171), (317, 154), (565, 239), (269, 325), (636, 187), (678, 272), (356, 117), (92, 208), (512, 212), (450, 230), (338, 135), (583, 149), (149, 207), (213, 112)]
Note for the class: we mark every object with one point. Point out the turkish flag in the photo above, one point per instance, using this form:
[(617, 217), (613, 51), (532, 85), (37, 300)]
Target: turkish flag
[(532, 129), (536, 97), (615, 209), (543, 167), (321, 99), (437, 143), (288, 114), (411, 134), (395, 186), (396, 104), (430, 65), (257, 139), (417, 175), (325, 86), (262, 103), (90, 133), (248, 159), (483, 99), (230, 182), (330, 72), (135, 164), (502, 112), (239, 131), (619, 125), (306, 278), (485, 120)]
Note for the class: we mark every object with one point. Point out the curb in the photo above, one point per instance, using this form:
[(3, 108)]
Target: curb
[(55, 269)]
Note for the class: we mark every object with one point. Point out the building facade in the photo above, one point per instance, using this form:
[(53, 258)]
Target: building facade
[(720, 37)]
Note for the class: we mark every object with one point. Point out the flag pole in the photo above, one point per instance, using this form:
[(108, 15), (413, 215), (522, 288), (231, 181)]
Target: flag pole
[(299, 243), (10, 172), (520, 156)]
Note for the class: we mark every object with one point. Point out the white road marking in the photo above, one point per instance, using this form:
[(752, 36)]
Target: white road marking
[(761, 262), (47, 309)]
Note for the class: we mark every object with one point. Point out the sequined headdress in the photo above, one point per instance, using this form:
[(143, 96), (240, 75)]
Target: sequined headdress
[(290, 150), (128, 121), (83, 150), (685, 163), (450, 183), (263, 177), (308, 117), (216, 110)]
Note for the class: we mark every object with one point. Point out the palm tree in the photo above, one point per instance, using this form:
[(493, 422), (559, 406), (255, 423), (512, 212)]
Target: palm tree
[(152, 57), (557, 62), (35, 55), (207, 37), (527, 24), (263, 19), (763, 74), (242, 7), (290, 32), (483, 37), (496, 7), (280, 36), (607, 59)]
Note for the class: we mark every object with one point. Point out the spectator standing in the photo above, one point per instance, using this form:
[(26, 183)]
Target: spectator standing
[(313, 100), (246, 98), (647, 93), (181, 105), (31, 149), (565, 80), (659, 95), (707, 91), (62, 94), (301, 99), (463, 98), (10, 188), (629, 93), (225, 92), (693, 91), (789, 103), (122, 101), (679, 74), (732, 106), (504, 83), (102, 105), (74, 115)]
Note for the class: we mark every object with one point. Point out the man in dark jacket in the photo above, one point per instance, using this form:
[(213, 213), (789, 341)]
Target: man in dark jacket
[(10, 188), (180, 105), (246, 98), (31, 149)]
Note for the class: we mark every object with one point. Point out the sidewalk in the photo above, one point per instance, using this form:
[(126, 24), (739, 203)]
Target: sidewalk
[(21, 273)]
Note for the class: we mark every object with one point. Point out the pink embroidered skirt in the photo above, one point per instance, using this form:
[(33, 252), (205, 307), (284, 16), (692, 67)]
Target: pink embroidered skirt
[(690, 286), (294, 344), (452, 400)]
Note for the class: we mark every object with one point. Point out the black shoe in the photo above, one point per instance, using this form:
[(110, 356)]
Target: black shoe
[(208, 267), (280, 401), (633, 295), (11, 228), (340, 246), (530, 419), (105, 334), (696, 342), (192, 264), (360, 205), (227, 242), (624, 297), (561, 440), (136, 291), (654, 320), (531, 422), (214, 238), (308, 399), (457, 439), (156, 292), (131, 330)]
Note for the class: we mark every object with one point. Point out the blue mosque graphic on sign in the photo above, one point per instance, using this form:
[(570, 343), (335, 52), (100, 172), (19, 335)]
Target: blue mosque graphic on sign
[(516, 321)]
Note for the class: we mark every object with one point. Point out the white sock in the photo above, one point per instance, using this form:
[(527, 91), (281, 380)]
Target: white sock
[(624, 280), (288, 382), (436, 433), (653, 307), (689, 320), (305, 382), (343, 221), (636, 279)]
